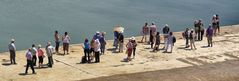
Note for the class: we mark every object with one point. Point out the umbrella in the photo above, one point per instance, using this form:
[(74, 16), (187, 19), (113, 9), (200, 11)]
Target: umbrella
[(119, 29)]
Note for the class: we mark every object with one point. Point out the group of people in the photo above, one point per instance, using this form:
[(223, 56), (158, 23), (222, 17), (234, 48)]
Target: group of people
[(155, 39), (198, 34), (95, 47)]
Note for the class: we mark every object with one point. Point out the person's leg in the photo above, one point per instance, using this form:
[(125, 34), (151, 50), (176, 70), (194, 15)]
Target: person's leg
[(171, 45), (27, 67), (11, 56), (211, 41), (134, 50), (49, 61), (52, 62), (57, 46), (142, 38), (31, 65), (186, 42), (202, 33), (85, 52), (96, 57), (64, 47), (191, 44), (208, 41), (88, 55), (67, 48), (39, 62), (199, 34), (218, 27)]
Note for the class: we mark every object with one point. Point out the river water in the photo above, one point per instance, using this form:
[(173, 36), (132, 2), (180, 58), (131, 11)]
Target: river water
[(34, 21)]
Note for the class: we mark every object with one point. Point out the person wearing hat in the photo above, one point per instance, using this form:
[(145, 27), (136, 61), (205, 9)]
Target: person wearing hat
[(12, 50), (29, 61), (97, 50), (209, 34), (134, 45), (40, 56), (49, 52)]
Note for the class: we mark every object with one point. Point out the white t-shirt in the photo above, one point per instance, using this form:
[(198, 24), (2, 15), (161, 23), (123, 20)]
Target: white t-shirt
[(66, 39)]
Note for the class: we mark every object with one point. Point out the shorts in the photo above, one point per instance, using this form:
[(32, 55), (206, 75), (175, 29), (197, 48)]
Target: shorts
[(65, 46)]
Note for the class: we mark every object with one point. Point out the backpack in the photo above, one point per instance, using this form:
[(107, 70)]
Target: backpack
[(174, 39)]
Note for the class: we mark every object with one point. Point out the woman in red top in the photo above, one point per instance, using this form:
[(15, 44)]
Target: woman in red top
[(40, 55)]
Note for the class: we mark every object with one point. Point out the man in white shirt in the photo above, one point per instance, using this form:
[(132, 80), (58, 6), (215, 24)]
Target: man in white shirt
[(34, 54), (12, 50), (97, 50), (49, 52)]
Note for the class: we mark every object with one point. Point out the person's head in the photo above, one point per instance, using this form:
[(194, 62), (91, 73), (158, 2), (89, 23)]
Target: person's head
[(39, 46), (97, 32), (200, 20), (157, 33), (187, 29), (171, 33), (86, 40), (33, 45), (66, 33), (153, 23), (29, 49), (217, 15), (192, 30), (166, 25), (12, 40), (146, 24), (209, 26), (48, 43), (56, 32)]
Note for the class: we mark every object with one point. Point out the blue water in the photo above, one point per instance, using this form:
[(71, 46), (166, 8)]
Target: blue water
[(34, 21)]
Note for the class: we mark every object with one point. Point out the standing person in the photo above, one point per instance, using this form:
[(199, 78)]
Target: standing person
[(49, 52), (157, 42), (209, 35), (196, 26), (34, 54), (40, 56), (66, 42), (134, 46), (166, 31), (170, 42), (151, 39), (129, 47), (116, 41), (218, 23), (97, 51), (121, 42), (153, 29), (57, 41), (12, 50), (192, 40), (145, 32), (87, 49), (200, 24), (186, 36), (29, 62), (102, 42)]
